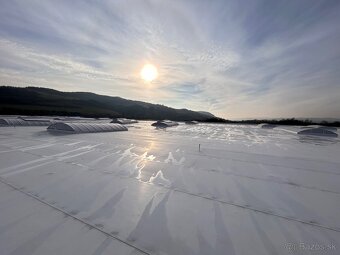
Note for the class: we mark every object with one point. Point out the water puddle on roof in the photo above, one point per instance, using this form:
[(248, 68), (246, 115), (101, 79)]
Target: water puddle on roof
[(130, 164), (171, 159), (159, 179)]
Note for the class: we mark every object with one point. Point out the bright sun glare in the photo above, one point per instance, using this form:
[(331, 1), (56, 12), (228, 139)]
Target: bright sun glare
[(149, 72)]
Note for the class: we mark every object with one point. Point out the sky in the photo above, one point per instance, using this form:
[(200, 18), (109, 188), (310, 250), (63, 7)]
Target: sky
[(236, 58)]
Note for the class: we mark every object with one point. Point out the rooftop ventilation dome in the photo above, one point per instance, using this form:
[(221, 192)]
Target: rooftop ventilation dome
[(267, 126), (323, 127), (21, 122), (35, 118), (124, 121), (318, 132), (191, 122), (79, 119), (164, 124), (86, 127)]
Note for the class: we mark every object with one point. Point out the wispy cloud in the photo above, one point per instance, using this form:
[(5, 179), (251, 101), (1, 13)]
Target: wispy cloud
[(235, 58)]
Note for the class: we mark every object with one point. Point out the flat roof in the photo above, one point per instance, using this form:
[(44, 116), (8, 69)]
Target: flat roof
[(150, 191)]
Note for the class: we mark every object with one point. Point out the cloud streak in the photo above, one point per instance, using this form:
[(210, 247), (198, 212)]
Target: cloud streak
[(238, 59)]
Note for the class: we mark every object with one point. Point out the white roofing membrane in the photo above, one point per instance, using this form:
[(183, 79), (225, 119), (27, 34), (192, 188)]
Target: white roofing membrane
[(86, 127), (151, 191)]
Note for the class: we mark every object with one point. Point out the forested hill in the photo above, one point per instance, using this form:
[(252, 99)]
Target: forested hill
[(42, 101)]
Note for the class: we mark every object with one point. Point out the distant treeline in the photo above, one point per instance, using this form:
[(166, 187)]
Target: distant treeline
[(291, 121), (49, 102), (34, 101)]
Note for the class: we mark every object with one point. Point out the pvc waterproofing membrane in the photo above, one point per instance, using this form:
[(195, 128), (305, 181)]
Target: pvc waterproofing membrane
[(148, 191), (86, 127)]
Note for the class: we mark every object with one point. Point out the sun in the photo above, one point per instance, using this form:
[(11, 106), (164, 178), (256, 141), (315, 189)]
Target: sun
[(149, 72)]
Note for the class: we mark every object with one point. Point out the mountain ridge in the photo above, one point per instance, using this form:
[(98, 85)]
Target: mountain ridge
[(46, 101)]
